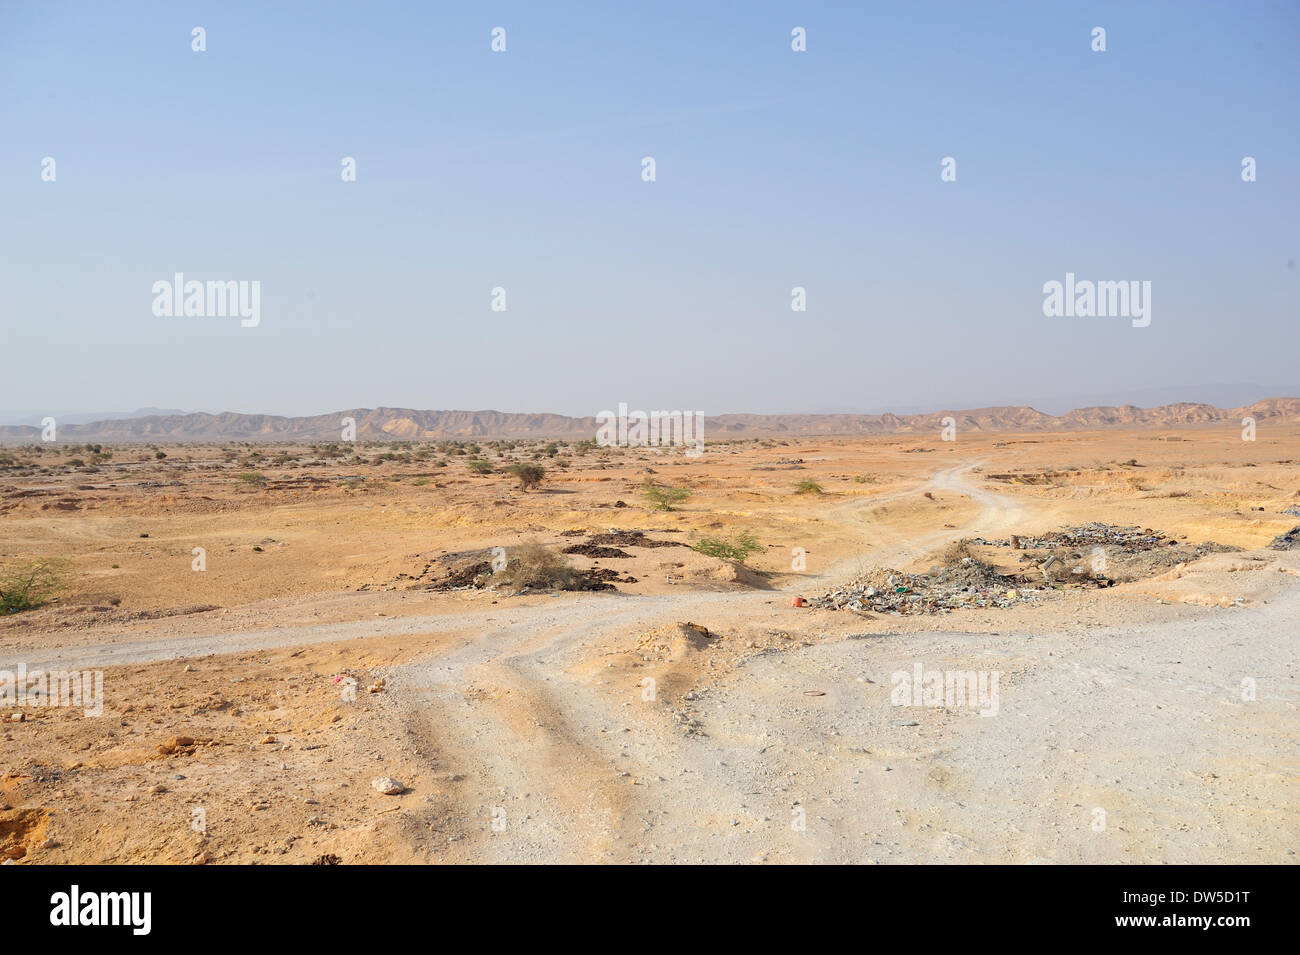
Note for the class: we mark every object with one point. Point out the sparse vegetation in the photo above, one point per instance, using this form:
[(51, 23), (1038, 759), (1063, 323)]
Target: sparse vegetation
[(482, 467), (808, 486), (529, 475), (661, 497), (737, 549), (30, 585), (251, 479)]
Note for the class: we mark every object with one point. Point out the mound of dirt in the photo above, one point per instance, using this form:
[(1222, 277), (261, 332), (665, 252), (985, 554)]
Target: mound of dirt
[(676, 640), (1219, 580), (729, 572)]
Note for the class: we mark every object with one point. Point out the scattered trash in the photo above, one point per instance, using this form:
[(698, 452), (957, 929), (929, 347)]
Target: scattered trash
[(1085, 535), (1099, 555), (1288, 541), (1089, 555), (959, 581)]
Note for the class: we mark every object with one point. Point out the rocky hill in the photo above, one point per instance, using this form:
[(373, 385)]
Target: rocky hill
[(406, 424)]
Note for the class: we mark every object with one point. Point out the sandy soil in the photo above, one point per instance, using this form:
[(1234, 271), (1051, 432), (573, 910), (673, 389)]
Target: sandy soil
[(248, 706)]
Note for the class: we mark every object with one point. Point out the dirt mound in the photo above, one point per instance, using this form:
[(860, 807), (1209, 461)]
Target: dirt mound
[(1219, 580), (730, 572), (676, 640)]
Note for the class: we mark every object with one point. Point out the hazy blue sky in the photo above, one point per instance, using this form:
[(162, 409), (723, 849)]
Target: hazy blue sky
[(522, 170)]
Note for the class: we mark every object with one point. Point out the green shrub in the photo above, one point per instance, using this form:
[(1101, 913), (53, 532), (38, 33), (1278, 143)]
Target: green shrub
[(529, 475), (481, 467), (808, 486), (663, 498), (29, 585), (738, 549)]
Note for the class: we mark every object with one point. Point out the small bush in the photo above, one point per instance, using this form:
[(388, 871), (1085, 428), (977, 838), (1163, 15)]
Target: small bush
[(29, 585), (481, 467), (534, 565), (529, 475), (738, 549), (808, 486), (663, 498), (251, 479)]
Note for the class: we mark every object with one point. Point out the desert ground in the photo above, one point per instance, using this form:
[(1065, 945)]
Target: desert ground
[(342, 628)]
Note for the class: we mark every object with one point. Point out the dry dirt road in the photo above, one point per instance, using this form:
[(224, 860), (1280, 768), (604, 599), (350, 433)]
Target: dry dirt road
[(1122, 744), (1125, 743)]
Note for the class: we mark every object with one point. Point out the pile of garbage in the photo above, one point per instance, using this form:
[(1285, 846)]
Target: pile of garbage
[(1095, 534), (1288, 541), (1101, 555), (1085, 556), (960, 582)]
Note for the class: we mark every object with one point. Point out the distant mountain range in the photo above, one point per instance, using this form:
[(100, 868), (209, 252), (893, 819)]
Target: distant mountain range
[(34, 418), (405, 424)]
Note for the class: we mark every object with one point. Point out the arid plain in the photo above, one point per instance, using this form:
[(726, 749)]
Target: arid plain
[(334, 633)]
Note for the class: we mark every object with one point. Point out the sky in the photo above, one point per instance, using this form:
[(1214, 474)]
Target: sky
[(523, 170)]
